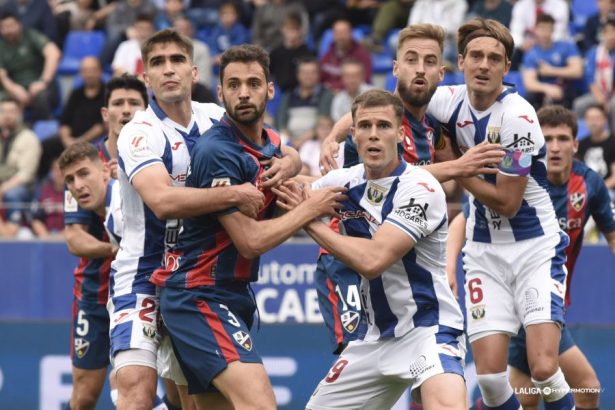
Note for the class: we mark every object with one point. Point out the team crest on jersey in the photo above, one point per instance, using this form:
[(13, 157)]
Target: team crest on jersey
[(350, 320), (243, 339), (577, 200), (375, 193), (478, 312), (70, 203), (493, 135), (81, 347), (149, 331), (219, 182)]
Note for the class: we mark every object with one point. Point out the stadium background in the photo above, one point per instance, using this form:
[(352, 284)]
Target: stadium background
[(35, 300)]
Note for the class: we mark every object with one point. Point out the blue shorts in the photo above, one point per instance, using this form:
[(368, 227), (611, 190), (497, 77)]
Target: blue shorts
[(339, 300), (209, 328), (517, 350), (89, 336)]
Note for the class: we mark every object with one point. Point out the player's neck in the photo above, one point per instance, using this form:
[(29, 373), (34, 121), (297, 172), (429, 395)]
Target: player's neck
[(253, 132), (559, 178), (180, 111), (603, 136), (373, 173), (417, 112), (483, 101), (111, 144)]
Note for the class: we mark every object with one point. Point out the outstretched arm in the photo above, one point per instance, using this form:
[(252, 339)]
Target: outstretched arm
[(330, 146), (454, 244), (81, 243)]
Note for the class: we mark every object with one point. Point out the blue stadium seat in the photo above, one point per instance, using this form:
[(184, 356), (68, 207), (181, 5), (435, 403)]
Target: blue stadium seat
[(80, 44), (272, 106), (515, 78), (46, 128), (327, 38), (583, 131), (383, 62), (390, 82), (581, 10)]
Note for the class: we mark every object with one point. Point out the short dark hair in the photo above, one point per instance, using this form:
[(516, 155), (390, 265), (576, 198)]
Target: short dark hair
[(481, 27), (9, 14), (555, 115), (245, 53), (293, 18), (9, 99), (545, 18), (168, 35), (596, 107), (126, 82), (378, 98), (77, 152)]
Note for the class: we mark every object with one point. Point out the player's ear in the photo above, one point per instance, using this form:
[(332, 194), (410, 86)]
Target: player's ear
[(104, 112), (400, 134), (395, 68), (270, 91), (195, 75), (106, 169), (220, 96), (352, 132), (575, 146)]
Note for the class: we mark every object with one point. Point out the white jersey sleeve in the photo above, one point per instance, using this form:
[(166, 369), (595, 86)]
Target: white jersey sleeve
[(441, 105), (213, 111), (140, 145), (419, 206), (114, 220), (521, 137)]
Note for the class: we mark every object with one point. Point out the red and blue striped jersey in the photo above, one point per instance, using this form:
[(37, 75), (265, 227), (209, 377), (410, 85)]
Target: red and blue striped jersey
[(583, 195), (91, 275), (204, 254)]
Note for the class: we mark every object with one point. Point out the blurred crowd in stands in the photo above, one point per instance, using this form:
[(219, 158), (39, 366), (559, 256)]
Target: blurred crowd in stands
[(55, 56)]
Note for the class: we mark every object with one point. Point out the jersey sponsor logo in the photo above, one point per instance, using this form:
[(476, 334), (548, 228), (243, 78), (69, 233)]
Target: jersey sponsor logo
[(526, 118), (559, 289), (522, 143), (493, 135), (171, 261), (243, 339), (70, 203), (532, 301), (414, 212), (350, 320), (570, 224), (577, 200), (219, 182), (358, 214), (420, 366), (375, 193), (464, 124), (81, 347), (176, 145)]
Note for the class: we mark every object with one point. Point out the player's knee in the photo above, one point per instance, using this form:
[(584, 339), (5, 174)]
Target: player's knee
[(543, 369), (83, 400), (495, 387)]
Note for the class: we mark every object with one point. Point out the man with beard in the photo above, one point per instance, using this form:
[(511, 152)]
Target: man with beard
[(154, 152), (205, 296), (418, 69)]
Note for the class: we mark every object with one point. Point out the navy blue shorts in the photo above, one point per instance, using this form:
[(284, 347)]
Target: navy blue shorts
[(339, 300), (90, 336), (209, 328), (517, 350)]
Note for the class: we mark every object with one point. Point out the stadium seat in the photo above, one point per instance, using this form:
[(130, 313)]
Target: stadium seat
[(80, 44), (46, 128), (272, 106), (583, 131), (382, 63), (581, 10), (390, 82)]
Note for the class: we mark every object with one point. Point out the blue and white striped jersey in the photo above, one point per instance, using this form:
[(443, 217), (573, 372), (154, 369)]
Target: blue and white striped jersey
[(414, 291), (512, 122), (114, 222), (152, 138)]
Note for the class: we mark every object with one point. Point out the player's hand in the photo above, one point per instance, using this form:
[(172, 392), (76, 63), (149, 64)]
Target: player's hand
[(554, 92), (290, 195), (325, 201), (480, 159), (250, 199), (112, 164), (329, 151), (280, 169)]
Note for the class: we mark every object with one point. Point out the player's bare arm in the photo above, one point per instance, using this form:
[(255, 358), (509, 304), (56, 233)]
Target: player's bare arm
[(330, 146), (610, 238), (81, 243), (253, 238), (480, 159), (368, 257), (454, 244), (166, 201), (504, 197)]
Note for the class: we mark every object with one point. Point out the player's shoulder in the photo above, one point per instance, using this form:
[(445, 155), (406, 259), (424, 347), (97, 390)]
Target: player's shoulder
[(208, 110), (143, 124), (414, 176), (591, 177), (342, 176), (450, 92)]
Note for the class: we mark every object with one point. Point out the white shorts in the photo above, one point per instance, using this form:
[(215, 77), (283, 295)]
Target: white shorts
[(373, 375), (168, 366), (134, 322), (509, 285)]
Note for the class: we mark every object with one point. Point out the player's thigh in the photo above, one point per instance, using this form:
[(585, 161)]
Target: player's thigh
[(578, 371), (135, 374), (489, 298), (246, 384), (542, 341), (212, 400), (444, 391), (524, 389)]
